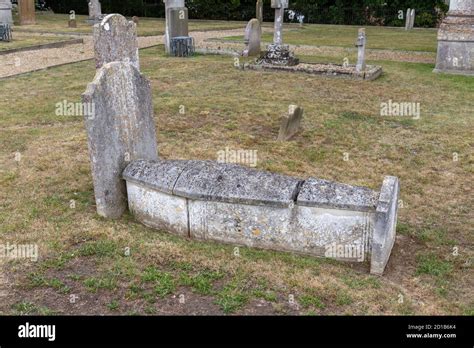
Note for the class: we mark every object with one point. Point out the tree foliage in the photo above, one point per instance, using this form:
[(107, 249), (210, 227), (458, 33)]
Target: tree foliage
[(351, 12)]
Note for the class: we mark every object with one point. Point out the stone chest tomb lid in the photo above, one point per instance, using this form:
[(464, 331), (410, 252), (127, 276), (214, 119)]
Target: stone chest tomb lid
[(332, 195), (213, 181)]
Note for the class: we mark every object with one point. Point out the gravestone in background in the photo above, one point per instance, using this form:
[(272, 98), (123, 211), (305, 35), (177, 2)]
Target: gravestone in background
[(277, 53), (253, 37), (259, 11), (26, 12), (115, 39), (361, 43), (95, 11), (6, 12), (176, 24), (456, 39)]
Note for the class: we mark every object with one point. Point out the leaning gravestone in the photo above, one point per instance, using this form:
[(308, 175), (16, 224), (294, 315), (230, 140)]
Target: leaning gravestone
[(122, 127), (6, 12), (121, 130), (361, 43), (291, 123), (26, 12), (253, 36), (115, 39)]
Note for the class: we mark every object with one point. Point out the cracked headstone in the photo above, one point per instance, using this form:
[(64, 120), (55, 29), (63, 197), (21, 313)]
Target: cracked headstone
[(120, 129), (361, 43), (115, 39), (26, 12), (253, 36), (291, 123)]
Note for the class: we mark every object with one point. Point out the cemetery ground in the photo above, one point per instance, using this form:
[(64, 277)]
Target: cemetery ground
[(123, 267)]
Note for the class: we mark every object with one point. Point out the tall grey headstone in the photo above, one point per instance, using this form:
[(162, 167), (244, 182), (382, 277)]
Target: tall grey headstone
[(95, 11), (176, 23), (412, 18), (115, 39), (408, 20), (120, 130), (456, 39), (6, 12), (361, 43), (259, 11), (253, 37)]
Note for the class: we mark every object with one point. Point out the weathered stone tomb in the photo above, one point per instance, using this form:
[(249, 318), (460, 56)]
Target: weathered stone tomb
[(228, 203)]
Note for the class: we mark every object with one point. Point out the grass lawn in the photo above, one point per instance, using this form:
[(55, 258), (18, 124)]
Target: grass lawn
[(47, 197), (147, 27), (345, 36), (21, 40)]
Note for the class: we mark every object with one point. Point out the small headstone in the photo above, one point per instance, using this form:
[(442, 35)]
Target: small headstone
[(253, 35), (26, 12), (361, 43), (408, 20), (6, 12), (291, 123), (120, 130), (95, 11), (72, 23), (136, 20), (259, 12), (115, 39)]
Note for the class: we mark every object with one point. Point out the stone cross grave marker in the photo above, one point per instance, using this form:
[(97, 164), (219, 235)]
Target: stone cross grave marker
[(26, 11), (115, 39), (253, 35), (121, 129), (291, 123), (361, 43), (279, 6)]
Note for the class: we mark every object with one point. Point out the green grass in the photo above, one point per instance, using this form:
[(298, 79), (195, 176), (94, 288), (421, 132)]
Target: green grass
[(311, 301), (345, 36), (95, 284), (58, 23), (340, 116), (433, 265)]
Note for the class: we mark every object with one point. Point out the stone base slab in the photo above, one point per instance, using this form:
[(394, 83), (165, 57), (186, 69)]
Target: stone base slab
[(372, 72)]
